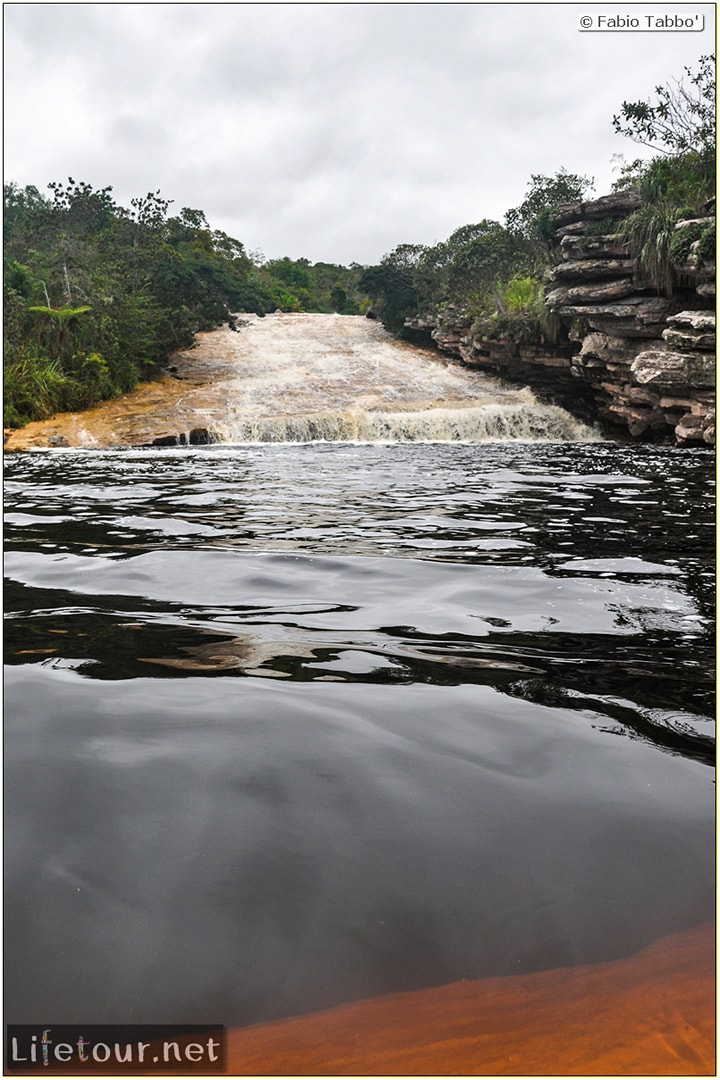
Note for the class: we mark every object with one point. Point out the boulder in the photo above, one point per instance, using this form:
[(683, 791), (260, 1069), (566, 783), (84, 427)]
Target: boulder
[(674, 370), (590, 269), (593, 247), (691, 330), (170, 440), (619, 203), (200, 436), (639, 421), (689, 429)]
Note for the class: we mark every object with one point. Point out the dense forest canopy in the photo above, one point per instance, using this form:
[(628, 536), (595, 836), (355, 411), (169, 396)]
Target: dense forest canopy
[(97, 296)]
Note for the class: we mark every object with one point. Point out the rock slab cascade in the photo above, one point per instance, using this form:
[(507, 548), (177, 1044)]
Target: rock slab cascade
[(639, 362), (306, 378)]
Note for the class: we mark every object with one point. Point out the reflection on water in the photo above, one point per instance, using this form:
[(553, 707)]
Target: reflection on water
[(289, 726)]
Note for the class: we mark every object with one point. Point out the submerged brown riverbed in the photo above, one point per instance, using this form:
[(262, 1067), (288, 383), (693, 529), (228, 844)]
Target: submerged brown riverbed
[(649, 1015)]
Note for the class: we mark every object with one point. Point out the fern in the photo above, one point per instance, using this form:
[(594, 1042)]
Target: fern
[(64, 315)]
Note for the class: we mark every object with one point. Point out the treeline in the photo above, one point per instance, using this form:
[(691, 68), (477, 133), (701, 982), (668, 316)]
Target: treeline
[(490, 275), (487, 270), (97, 296)]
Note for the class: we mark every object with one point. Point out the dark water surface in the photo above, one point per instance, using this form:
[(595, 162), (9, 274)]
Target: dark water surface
[(288, 726)]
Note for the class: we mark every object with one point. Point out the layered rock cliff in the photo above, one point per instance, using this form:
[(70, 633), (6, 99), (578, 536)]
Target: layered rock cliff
[(639, 362)]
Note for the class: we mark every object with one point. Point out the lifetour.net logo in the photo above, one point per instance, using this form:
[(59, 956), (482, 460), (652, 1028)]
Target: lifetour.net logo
[(113, 1050)]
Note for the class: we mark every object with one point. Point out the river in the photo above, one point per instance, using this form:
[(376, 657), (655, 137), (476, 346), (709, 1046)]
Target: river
[(292, 724)]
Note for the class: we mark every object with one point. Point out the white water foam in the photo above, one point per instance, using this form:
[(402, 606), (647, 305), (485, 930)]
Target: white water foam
[(308, 378), (524, 422)]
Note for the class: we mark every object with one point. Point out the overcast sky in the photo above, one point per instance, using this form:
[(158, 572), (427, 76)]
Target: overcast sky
[(330, 131)]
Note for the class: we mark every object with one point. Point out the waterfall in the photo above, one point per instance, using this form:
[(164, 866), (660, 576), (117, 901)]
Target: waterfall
[(524, 421), (305, 378)]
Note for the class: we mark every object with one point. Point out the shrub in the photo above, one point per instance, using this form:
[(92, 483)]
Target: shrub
[(682, 241), (35, 388)]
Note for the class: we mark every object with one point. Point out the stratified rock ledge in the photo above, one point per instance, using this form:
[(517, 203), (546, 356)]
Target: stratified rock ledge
[(636, 362)]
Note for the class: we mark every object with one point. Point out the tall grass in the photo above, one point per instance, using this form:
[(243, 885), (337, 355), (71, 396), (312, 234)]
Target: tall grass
[(649, 232), (35, 388), (672, 189)]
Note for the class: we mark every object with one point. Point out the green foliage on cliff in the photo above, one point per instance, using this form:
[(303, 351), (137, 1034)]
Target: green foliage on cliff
[(677, 184), (532, 219), (96, 296), (522, 316)]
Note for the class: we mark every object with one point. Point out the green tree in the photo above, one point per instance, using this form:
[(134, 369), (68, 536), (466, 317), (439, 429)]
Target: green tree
[(682, 118), (97, 296), (480, 257), (531, 220), (392, 287)]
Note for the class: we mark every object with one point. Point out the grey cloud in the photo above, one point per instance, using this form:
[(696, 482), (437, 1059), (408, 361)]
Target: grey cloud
[(334, 131)]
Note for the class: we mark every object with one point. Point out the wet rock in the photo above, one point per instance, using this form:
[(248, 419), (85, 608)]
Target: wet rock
[(640, 421), (170, 440), (200, 436), (709, 431), (690, 429)]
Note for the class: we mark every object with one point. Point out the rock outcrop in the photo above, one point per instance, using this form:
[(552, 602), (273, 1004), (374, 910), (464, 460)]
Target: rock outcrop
[(545, 367), (648, 359), (637, 361)]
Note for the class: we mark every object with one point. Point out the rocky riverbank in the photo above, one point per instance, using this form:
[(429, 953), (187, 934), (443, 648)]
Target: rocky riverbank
[(177, 408), (640, 363)]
